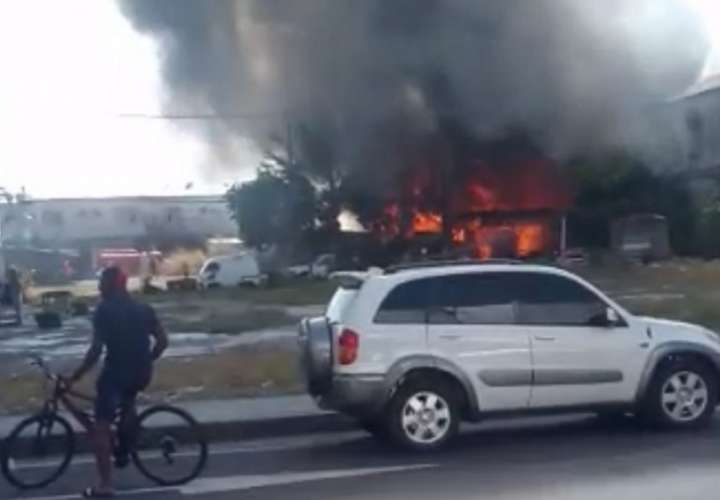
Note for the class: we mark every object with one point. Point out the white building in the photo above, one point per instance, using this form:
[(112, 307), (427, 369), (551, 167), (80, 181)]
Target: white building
[(701, 108), (74, 222)]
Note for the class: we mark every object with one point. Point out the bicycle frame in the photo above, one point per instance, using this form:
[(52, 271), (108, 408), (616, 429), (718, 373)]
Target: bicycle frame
[(63, 395), (126, 427)]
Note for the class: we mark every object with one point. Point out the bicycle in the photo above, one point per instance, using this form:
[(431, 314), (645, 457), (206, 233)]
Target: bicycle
[(46, 441)]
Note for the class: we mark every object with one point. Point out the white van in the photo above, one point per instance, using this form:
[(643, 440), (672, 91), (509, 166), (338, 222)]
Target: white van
[(231, 270)]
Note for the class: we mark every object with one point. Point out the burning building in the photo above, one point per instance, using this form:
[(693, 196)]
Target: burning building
[(410, 101), (501, 204)]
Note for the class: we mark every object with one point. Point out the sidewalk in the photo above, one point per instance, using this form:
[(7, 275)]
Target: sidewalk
[(233, 419)]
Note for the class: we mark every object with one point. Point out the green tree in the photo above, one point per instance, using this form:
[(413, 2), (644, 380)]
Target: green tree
[(618, 184), (315, 156), (278, 207), (709, 233), (318, 160)]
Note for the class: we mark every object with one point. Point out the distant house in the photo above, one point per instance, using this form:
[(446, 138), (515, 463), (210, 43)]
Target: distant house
[(642, 236), (701, 110)]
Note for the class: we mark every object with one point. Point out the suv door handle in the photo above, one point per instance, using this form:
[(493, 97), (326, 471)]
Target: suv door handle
[(450, 337), (543, 338)]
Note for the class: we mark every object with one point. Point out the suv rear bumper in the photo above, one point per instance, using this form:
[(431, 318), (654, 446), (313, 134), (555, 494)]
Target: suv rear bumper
[(355, 395)]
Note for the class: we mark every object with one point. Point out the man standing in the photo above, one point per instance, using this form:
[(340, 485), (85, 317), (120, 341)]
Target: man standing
[(14, 292), (132, 337)]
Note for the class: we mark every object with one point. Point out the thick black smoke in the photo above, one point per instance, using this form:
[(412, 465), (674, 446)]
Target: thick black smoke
[(576, 74)]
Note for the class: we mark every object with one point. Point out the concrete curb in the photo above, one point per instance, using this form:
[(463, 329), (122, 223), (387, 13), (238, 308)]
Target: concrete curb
[(279, 427), (217, 432)]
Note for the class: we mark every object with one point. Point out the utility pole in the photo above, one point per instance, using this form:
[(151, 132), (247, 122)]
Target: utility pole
[(8, 201), (289, 146)]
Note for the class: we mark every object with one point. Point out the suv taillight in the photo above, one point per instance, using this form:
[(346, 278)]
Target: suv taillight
[(349, 341)]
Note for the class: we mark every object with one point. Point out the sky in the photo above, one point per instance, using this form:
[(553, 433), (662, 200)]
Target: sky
[(67, 78), (710, 12)]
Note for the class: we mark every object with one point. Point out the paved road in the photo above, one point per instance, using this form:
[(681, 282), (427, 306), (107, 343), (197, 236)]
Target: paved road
[(566, 459)]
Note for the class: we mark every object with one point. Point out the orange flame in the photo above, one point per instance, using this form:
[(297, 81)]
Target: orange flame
[(530, 239), (512, 188), (427, 222)]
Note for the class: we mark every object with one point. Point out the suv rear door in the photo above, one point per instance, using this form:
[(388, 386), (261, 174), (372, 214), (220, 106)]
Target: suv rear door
[(472, 324), (576, 359), (395, 329)]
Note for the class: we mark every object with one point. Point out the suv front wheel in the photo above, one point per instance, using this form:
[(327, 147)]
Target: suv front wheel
[(424, 415), (682, 394)]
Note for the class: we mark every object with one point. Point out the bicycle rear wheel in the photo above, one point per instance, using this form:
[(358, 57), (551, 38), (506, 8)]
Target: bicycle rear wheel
[(37, 451), (170, 447)]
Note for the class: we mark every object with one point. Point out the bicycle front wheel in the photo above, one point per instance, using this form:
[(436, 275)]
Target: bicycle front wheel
[(37, 451), (170, 447)]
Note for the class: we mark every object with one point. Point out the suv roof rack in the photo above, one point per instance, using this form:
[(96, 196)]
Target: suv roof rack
[(445, 263)]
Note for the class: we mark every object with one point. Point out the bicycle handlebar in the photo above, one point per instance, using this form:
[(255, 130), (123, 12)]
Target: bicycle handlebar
[(39, 362)]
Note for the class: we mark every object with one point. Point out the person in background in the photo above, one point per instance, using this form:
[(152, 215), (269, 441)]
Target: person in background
[(13, 291), (133, 338)]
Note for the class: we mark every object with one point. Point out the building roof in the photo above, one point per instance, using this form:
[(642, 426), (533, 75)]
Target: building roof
[(162, 199), (704, 86)]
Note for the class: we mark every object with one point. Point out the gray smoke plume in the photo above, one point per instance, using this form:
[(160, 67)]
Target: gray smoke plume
[(577, 74)]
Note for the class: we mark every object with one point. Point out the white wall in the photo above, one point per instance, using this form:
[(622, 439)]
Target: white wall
[(702, 117), (64, 220)]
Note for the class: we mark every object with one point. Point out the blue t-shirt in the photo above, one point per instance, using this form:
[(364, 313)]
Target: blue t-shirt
[(124, 327)]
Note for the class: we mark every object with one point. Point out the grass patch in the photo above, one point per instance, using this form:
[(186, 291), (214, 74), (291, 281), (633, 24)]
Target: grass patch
[(252, 319), (695, 283), (300, 292), (231, 374), (692, 309), (294, 293), (224, 318), (225, 375), (679, 275)]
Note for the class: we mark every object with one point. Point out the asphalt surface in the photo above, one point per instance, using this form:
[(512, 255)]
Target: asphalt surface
[(562, 459)]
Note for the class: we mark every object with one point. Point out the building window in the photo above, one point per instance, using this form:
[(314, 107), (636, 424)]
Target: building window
[(52, 218)]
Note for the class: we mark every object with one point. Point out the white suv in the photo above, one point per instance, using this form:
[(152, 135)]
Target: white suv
[(413, 351)]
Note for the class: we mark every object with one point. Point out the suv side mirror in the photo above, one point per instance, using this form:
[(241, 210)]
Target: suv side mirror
[(612, 317), (608, 318)]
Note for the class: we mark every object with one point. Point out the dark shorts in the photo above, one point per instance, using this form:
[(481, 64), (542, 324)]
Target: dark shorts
[(113, 393)]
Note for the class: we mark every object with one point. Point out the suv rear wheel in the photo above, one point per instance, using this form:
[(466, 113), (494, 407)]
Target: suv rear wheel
[(682, 394), (424, 415)]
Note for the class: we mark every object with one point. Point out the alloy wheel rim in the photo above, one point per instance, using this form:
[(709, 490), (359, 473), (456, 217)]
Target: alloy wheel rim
[(684, 396), (426, 418)]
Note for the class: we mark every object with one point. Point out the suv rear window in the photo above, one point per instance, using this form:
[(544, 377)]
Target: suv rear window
[(340, 303), (407, 303)]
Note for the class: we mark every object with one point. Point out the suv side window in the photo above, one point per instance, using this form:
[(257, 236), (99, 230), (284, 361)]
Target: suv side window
[(407, 303), (548, 299), (474, 299)]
